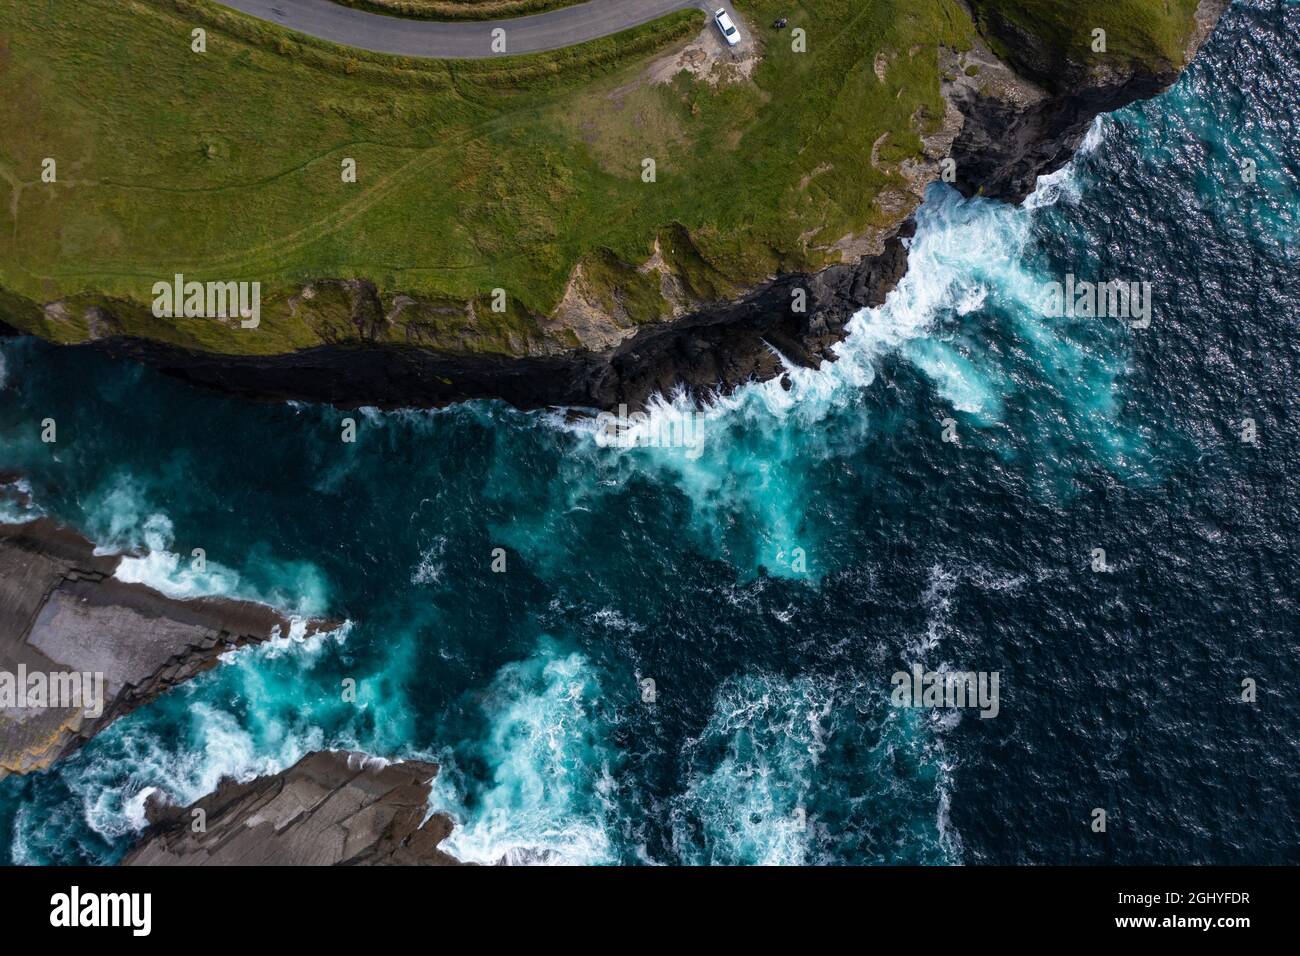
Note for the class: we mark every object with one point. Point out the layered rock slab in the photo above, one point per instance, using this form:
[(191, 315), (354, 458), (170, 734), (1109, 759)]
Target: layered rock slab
[(63, 613), (331, 808)]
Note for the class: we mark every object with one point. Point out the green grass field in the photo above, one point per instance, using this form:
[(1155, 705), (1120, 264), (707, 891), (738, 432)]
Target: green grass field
[(459, 9), (472, 175), (1143, 31)]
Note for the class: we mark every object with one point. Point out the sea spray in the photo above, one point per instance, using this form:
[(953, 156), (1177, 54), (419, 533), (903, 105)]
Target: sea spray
[(763, 449), (810, 769), (536, 785), (121, 517)]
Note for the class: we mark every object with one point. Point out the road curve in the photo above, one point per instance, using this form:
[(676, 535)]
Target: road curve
[(566, 26)]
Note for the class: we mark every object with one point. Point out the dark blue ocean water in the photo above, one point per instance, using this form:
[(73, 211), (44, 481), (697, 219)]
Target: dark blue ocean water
[(824, 538)]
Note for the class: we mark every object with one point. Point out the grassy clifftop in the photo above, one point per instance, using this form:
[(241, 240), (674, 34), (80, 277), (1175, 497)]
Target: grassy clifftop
[(523, 173), (1152, 34), (459, 9)]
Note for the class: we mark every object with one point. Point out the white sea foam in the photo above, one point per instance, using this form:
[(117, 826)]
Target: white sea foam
[(121, 518), (765, 786), (1064, 184), (305, 644), (612, 619), (551, 790), (219, 747), (165, 572), (17, 506), (134, 807), (1095, 136), (751, 803), (430, 569), (134, 760), (759, 442)]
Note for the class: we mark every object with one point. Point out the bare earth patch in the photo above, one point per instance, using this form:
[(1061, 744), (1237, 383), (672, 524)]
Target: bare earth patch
[(708, 58)]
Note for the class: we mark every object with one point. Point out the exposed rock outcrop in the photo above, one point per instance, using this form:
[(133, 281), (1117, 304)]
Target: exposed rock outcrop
[(79, 648), (330, 808), (1025, 118), (724, 345)]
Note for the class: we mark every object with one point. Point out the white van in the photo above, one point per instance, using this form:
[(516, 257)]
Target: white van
[(729, 31)]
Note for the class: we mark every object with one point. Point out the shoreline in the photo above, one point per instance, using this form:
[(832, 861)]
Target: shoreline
[(63, 612)]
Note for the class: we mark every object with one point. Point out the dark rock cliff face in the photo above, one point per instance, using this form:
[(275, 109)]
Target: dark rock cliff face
[(62, 612), (723, 346), (1003, 148), (1012, 134), (331, 808)]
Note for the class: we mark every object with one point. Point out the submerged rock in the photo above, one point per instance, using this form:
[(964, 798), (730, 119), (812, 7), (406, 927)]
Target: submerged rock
[(79, 648), (330, 808)]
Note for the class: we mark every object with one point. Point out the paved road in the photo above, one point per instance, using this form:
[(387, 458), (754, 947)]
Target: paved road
[(462, 40)]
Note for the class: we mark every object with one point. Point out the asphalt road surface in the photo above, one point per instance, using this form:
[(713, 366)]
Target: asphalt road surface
[(327, 20)]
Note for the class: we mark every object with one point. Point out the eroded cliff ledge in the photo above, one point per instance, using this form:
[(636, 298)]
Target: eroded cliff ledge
[(331, 808)]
